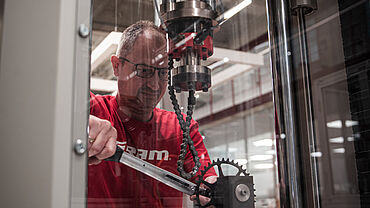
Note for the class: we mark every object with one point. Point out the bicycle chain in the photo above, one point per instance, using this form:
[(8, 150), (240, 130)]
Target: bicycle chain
[(185, 126)]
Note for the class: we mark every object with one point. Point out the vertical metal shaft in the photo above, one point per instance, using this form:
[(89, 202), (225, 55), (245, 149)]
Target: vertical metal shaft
[(305, 67), (286, 129)]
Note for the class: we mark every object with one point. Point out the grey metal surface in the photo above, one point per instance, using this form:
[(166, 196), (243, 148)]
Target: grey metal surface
[(1, 21), (195, 8), (286, 128), (159, 174), (37, 78), (81, 83), (191, 69), (190, 57), (199, 75)]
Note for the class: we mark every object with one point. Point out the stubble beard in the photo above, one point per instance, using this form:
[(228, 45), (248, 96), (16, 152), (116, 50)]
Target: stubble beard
[(136, 108)]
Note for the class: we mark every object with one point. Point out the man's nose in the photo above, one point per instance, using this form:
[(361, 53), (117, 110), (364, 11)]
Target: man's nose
[(153, 82)]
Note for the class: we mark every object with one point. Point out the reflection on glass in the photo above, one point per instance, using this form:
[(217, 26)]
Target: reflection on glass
[(334, 50), (341, 150), (235, 117), (248, 139)]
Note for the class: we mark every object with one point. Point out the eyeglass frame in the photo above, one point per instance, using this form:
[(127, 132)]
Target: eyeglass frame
[(150, 67)]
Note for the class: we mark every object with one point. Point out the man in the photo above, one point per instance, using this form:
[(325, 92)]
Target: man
[(139, 128)]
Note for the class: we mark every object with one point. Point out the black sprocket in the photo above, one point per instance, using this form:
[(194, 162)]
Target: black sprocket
[(217, 191)]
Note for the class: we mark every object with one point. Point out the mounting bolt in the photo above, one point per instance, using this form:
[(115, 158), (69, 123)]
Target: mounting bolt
[(83, 31), (205, 87), (178, 89), (80, 147)]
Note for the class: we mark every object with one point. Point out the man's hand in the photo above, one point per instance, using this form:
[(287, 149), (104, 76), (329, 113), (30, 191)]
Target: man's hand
[(102, 140), (204, 200)]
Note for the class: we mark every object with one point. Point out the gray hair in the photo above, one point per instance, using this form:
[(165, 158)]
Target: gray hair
[(131, 33)]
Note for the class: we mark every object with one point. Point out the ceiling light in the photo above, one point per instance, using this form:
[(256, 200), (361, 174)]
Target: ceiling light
[(334, 124), (232, 149), (270, 152), (263, 142), (231, 12), (339, 150), (350, 123), (260, 157), (264, 166), (337, 140)]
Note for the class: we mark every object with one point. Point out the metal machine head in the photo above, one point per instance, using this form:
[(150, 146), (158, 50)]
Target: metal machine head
[(190, 26)]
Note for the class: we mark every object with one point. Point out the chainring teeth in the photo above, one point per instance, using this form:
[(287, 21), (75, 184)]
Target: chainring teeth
[(217, 162)]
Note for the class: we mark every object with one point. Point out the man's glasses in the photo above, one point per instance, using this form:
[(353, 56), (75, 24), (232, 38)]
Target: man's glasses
[(146, 71)]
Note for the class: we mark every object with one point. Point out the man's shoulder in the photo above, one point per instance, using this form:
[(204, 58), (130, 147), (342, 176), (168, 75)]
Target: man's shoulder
[(101, 98), (102, 104), (164, 113), (107, 100), (165, 116)]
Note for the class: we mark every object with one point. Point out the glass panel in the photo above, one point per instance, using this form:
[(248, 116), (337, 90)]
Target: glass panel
[(235, 116), (337, 95), (339, 130)]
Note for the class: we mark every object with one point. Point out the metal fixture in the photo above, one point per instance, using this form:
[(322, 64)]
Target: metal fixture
[(80, 147), (307, 6), (189, 25), (228, 191), (285, 117), (242, 192), (300, 8)]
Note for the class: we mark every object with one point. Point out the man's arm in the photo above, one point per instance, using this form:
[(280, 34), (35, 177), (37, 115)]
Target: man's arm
[(102, 140)]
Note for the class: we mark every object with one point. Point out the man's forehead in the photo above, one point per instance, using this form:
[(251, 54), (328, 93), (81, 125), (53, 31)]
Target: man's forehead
[(149, 44)]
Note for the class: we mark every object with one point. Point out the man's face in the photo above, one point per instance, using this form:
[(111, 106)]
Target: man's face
[(140, 95)]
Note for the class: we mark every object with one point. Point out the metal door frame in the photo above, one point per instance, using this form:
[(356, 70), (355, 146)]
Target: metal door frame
[(44, 89)]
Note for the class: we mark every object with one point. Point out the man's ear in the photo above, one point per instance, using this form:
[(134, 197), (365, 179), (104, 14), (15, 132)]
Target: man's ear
[(115, 64)]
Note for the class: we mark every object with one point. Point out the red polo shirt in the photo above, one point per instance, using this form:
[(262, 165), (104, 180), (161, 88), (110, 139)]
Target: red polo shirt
[(157, 141)]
